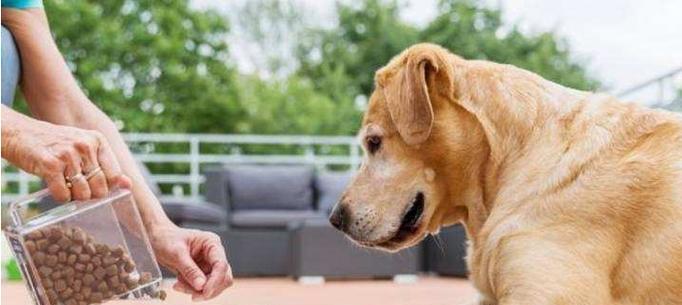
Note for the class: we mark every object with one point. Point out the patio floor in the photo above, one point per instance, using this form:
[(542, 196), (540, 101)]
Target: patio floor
[(285, 291)]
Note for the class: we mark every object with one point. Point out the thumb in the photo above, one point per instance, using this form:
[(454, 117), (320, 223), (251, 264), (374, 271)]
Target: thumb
[(190, 272)]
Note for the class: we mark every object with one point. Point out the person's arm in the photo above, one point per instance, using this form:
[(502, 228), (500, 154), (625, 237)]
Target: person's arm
[(53, 95)]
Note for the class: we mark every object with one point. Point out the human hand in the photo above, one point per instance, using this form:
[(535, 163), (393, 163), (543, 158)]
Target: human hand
[(198, 258), (75, 163)]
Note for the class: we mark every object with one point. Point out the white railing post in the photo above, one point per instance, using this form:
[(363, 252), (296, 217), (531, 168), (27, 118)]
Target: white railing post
[(354, 156), (195, 177), (23, 183)]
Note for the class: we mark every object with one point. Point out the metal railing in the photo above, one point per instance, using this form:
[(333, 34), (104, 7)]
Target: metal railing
[(658, 91), (191, 152)]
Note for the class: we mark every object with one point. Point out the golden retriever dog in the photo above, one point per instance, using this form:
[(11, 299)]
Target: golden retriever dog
[(567, 197)]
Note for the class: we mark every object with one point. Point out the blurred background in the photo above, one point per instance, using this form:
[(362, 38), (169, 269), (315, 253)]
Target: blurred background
[(201, 86)]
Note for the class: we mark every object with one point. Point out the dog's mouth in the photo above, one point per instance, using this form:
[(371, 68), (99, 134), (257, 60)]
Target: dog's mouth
[(409, 224)]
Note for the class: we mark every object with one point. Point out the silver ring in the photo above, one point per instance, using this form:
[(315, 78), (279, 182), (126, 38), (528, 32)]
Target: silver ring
[(72, 179), (92, 173), (75, 177)]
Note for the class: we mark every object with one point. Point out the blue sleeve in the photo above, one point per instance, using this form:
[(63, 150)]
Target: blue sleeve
[(22, 4)]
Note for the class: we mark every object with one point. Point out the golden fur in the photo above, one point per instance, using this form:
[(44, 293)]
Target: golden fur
[(568, 197)]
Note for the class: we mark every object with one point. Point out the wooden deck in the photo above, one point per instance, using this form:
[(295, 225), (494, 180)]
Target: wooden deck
[(285, 291)]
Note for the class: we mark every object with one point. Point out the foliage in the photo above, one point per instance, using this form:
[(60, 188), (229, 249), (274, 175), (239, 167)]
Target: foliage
[(343, 59), (161, 66), (151, 65)]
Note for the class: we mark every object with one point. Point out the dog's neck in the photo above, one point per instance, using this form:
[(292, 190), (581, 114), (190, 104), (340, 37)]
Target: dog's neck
[(512, 107)]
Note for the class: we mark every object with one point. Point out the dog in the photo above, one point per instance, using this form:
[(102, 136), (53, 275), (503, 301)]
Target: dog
[(567, 197)]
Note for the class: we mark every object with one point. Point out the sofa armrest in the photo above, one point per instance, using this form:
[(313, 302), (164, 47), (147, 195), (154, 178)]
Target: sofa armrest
[(182, 211), (216, 187)]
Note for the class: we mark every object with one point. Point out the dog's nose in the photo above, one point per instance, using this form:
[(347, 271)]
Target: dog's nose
[(339, 218)]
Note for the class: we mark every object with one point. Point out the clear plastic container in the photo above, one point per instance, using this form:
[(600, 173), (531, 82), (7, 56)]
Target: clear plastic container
[(84, 252)]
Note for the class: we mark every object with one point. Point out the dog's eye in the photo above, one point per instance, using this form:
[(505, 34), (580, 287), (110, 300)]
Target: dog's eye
[(373, 144)]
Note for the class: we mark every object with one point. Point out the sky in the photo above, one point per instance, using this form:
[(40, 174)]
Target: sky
[(622, 42)]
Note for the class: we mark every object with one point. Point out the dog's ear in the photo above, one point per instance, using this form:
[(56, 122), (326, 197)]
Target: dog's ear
[(407, 97)]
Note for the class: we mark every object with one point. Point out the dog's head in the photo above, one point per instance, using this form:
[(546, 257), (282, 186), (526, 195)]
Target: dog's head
[(418, 145)]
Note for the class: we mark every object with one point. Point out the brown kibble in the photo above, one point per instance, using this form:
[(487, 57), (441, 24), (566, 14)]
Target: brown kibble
[(82, 303), (88, 279), (61, 257), (35, 235), (55, 233), (112, 270), (113, 281), (56, 275), (121, 288), (162, 295), (52, 296), (102, 249), (77, 284), (76, 249), (71, 259), (41, 244), (96, 297), (109, 260), (78, 297), (99, 273), (52, 249), (70, 302), (69, 271), (145, 277), (51, 260), (79, 236), (117, 252), (86, 291), (129, 266), (102, 287), (84, 258), (79, 267), (64, 243), (45, 271), (48, 283), (67, 293), (60, 285), (96, 261), (69, 281), (39, 258), (89, 268), (30, 246), (90, 249), (108, 294), (130, 282)]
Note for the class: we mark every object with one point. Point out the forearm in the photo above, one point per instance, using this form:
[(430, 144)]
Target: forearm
[(54, 96)]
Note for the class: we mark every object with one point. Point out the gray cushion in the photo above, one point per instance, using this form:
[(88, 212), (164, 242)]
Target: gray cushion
[(271, 218), (270, 187), (330, 186), (180, 210)]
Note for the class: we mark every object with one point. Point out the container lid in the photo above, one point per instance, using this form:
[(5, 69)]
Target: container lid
[(23, 222)]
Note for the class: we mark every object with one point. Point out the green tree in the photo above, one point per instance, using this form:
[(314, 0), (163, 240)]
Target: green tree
[(342, 60), (151, 65)]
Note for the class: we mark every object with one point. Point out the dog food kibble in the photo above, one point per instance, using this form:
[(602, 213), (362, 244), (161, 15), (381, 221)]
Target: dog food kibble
[(76, 270)]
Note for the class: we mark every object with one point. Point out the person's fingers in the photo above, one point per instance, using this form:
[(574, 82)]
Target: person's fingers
[(109, 164), (182, 286), (52, 171), (220, 277), (80, 190), (94, 175), (189, 270)]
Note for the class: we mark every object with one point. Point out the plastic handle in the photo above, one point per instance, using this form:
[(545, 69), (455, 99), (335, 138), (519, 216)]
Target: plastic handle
[(15, 207)]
